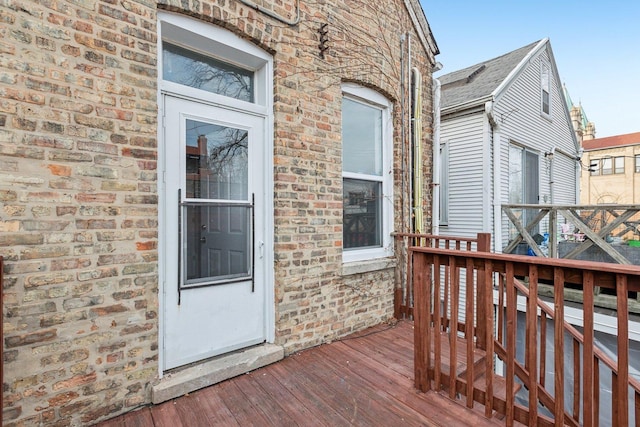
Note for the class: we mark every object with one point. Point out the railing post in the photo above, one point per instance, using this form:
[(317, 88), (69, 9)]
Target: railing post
[(483, 292), (421, 314)]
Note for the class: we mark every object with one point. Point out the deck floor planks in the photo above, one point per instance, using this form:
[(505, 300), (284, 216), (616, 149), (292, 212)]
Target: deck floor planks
[(364, 380)]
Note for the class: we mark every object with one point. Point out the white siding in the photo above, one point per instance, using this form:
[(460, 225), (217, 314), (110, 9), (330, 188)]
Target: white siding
[(519, 115), (465, 137)]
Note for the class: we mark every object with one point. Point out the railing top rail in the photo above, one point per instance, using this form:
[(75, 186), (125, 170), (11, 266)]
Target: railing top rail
[(595, 266), (580, 207), (436, 236)]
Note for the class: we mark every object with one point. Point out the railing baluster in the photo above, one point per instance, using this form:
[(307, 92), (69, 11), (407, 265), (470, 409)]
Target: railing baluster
[(511, 342), (576, 380), (622, 295), (469, 319), (532, 339), (588, 384), (558, 389), (596, 391), (543, 347), (488, 346), (437, 324), (453, 327)]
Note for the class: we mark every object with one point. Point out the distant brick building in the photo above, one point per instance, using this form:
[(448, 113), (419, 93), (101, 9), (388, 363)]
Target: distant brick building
[(187, 183), (612, 172)]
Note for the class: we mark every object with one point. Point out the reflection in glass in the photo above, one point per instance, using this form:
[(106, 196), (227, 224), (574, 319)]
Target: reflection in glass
[(362, 221), (203, 72), (362, 136), (216, 162), (218, 241)]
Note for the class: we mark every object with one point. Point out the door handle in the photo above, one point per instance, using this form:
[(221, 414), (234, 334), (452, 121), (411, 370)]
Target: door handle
[(203, 239)]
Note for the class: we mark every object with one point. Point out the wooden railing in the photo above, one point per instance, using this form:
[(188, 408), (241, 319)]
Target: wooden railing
[(534, 371), (403, 298)]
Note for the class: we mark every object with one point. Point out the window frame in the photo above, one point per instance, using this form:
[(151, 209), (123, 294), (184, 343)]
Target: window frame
[(637, 163), (618, 170), (371, 98), (545, 88)]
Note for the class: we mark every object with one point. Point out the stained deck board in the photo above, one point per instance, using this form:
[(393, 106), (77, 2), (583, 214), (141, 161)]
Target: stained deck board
[(364, 380)]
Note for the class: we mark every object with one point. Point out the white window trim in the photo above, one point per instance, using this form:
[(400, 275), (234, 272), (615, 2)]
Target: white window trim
[(373, 98)]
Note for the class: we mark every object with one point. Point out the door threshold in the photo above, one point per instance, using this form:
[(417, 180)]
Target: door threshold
[(215, 370)]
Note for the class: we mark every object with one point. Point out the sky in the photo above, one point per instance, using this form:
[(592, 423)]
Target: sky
[(596, 45)]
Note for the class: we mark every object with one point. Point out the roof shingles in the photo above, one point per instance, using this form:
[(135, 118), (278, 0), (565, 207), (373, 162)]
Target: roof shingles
[(480, 80)]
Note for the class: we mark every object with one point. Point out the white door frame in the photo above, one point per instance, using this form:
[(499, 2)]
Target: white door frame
[(204, 36)]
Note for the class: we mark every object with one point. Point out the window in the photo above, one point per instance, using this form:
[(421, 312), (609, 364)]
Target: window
[(545, 83), (606, 166), (618, 164), (637, 161), (523, 183), (594, 167), (203, 72), (367, 174)]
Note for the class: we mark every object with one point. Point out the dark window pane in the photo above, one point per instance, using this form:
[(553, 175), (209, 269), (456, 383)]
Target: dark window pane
[(362, 222), (218, 240)]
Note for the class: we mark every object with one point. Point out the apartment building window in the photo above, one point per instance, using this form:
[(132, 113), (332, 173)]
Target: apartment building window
[(366, 174), (618, 164), (594, 167), (607, 164), (637, 163)]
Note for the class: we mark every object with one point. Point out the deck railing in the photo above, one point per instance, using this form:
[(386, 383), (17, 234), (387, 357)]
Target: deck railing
[(549, 376), (404, 290)]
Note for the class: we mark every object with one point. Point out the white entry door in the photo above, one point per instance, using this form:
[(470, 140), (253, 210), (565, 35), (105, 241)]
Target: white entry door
[(214, 201)]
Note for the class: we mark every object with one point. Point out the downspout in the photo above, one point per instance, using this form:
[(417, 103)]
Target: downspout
[(418, 212), (496, 154), (402, 134), (435, 176)]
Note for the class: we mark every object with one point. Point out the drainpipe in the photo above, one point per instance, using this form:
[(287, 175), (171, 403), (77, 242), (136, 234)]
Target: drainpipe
[(435, 175), (418, 211), (496, 144)]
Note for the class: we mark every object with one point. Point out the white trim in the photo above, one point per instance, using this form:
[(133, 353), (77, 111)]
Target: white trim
[(227, 46), (375, 99)]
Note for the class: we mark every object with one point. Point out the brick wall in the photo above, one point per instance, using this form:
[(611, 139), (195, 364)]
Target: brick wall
[(79, 201)]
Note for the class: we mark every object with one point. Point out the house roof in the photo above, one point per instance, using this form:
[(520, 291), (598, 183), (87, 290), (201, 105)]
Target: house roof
[(611, 141), (480, 80)]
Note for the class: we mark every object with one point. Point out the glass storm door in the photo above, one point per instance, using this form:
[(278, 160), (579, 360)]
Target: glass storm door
[(213, 206)]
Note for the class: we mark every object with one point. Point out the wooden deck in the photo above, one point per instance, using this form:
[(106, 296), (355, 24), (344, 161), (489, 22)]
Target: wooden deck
[(365, 380)]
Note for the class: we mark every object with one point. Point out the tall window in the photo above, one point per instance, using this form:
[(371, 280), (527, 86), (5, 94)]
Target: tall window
[(367, 174), (637, 161), (618, 164), (607, 168), (545, 83)]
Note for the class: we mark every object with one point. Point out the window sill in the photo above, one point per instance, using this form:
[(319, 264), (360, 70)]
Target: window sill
[(358, 267)]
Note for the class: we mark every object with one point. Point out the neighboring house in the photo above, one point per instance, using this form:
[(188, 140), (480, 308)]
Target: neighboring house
[(612, 170), (193, 189), (506, 137)]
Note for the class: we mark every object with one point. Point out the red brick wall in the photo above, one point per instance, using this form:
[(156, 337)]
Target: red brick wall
[(78, 192)]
